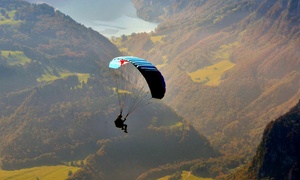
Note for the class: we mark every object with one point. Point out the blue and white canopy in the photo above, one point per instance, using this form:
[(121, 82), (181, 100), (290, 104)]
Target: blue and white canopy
[(153, 77)]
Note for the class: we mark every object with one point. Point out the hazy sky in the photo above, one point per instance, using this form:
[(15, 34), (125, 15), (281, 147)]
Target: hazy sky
[(109, 17)]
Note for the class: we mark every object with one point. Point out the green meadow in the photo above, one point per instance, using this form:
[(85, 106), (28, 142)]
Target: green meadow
[(186, 175), (15, 57), (178, 125), (155, 39), (18, 58), (121, 91), (9, 19), (211, 75), (60, 172), (50, 76)]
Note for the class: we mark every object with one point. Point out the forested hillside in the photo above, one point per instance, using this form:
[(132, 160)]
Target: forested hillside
[(48, 65), (231, 66), (58, 103), (39, 44), (128, 158), (279, 148)]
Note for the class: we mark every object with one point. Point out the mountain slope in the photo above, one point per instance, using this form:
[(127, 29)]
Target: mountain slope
[(127, 158), (237, 63), (277, 156), (58, 102), (39, 39), (48, 63)]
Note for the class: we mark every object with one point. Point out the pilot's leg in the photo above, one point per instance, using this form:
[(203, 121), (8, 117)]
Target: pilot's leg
[(125, 128)]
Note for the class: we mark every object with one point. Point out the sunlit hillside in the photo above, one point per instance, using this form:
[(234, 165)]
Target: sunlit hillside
[(231, 66)]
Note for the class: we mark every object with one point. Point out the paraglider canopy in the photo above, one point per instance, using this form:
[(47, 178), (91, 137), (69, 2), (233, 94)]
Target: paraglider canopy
[(137, 79), (153, 77)]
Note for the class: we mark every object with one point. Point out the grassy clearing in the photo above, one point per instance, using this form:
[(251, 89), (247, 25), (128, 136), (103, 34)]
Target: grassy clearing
[(178, 125), (9, 22), (83, 77), (125, 51), (15, 57), (9, 19), (50, 76), (11, 14), (155, 39), (186, 175), (47, 77), (165, 62), (211, 75), (121, 91), (43, 172)]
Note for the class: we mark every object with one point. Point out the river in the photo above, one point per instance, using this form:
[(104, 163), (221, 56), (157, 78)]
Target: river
[(108, 17)]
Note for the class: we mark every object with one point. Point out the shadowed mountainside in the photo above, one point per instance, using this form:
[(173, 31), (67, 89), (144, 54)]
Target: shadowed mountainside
[(127, 158), (277, 156)]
